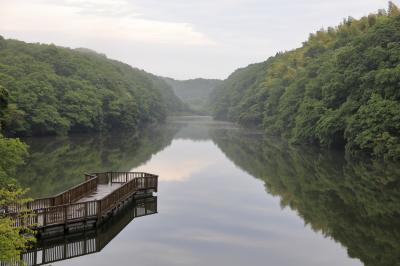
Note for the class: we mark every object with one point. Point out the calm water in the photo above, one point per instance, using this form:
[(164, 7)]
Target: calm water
[(228, 196)]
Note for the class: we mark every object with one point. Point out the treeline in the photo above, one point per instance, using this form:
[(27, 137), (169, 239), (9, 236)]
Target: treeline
[(340, 89), (55, 90)]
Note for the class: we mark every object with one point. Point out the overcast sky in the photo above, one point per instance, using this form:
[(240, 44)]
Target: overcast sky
[(178, 38)]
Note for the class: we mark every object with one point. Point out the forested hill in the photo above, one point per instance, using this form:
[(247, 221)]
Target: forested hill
[(194, 92), (341, 88), (55, 90)]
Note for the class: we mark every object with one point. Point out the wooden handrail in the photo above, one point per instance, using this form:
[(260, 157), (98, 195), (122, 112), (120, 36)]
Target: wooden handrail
[(64, 208), (69, 196), (61, 214), (61, 248), (77, 192), (144, 181)]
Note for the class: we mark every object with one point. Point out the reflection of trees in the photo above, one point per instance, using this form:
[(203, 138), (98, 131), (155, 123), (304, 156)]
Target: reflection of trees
[(86, 242), (57, 163), (356, 202)]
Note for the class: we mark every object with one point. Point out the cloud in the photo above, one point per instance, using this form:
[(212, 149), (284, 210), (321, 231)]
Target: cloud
[(178, 38), (115, 8), (117, 20)]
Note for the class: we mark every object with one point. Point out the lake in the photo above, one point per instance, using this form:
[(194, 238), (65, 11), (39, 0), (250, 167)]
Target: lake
[(227, 196)]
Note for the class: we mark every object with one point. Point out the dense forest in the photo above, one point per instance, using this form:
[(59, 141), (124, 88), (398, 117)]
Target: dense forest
[(12, 155), (340, 89), (55, 90), (355, 202), (194, 92)]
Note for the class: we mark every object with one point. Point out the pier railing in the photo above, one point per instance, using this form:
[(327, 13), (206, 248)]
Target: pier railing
[(69, 196), (54, 215), (50, 250), (77, 192), (133, 182), (63, 208)]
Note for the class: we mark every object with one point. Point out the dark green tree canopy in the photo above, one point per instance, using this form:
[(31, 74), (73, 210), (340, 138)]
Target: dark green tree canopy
[(55, 90), (341, 88)]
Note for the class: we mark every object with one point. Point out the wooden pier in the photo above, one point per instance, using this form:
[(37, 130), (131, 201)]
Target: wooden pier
[(86, 203), (67, 246)]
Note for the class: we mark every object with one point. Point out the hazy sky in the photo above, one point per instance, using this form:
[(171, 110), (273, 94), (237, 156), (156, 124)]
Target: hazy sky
[(178, 38)]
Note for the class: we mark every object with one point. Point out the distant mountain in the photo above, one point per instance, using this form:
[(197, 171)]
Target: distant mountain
[(194, 92)]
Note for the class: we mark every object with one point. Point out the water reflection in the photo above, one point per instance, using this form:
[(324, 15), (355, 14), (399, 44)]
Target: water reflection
[(356, 202), (50, 250), (57, 163), (212, 212)]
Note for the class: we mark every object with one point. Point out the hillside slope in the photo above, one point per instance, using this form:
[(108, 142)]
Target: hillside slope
[(55, 90), (341, 88), (194, 92)]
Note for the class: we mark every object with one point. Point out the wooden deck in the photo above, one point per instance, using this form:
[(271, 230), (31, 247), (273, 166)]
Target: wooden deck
[(93, 200), (101, 191), (67, 246)]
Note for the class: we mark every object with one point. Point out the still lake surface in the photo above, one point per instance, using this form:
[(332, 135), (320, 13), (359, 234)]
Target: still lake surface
[(229, 196)]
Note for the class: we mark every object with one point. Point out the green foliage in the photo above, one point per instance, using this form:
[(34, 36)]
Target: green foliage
[(3, 103), (55, 90), (3, 98), (12, 153), (375, 128), (313, 94), (227, 97), (12, 241), (310, 112)]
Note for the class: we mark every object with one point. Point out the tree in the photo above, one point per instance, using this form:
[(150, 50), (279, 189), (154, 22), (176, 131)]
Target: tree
[(393, 10), (375, 128), (3, 103), (12, 241), (12, 152)]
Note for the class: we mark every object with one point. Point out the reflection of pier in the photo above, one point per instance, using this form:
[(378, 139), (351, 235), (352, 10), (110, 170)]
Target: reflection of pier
[(85, 204), (74, 245)]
